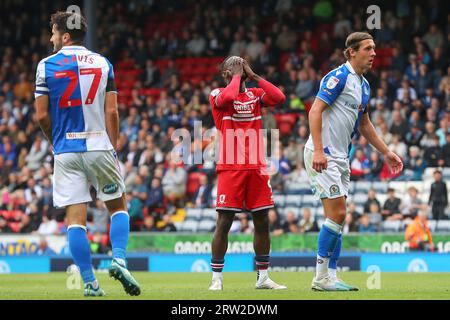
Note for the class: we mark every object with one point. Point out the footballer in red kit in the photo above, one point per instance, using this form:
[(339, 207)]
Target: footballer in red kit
[(243, 181)]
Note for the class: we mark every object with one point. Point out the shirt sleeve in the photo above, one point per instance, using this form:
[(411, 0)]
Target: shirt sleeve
[(212, 97), (331, 86), (110, 84), (41, 84)]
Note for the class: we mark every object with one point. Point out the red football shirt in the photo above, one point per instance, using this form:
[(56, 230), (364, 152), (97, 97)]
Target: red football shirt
[(240, 130)]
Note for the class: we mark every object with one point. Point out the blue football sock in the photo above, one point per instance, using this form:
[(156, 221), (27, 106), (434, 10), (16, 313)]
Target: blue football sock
[(80, 250), (328, 237), (118, 233), (336, 253)]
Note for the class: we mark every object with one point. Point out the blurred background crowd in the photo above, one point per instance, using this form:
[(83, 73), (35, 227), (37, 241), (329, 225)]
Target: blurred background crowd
[(166, 57)]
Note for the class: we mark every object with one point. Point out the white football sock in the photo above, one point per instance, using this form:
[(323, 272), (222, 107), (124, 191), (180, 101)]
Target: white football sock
[(332, 273), (321, 267), (217, 275), (263, 274)]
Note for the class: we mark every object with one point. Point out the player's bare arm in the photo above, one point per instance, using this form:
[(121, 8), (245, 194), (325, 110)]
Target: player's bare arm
[(367, 129), (43, 116), (272, 95), (112, 118), (315, 124)]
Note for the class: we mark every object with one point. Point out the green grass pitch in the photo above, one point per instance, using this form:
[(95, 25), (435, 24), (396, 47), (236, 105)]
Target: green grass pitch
[(239, 286)]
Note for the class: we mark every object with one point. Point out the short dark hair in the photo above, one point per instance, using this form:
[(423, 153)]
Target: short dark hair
[(353, 41), (60, 20)]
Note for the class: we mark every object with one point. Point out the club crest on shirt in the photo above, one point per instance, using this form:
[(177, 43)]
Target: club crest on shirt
[(332, 82), (250, 94)]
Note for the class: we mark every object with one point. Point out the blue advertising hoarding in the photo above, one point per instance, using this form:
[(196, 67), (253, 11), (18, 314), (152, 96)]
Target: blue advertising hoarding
[(198, 262), (407, 262), (25, 264)]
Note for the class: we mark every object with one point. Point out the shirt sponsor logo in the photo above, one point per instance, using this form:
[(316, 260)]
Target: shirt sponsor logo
[(110, 188), (84, 135)]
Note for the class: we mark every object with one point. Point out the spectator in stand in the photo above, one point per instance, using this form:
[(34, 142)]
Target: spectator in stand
[(37, 153), (418, 234), (245, 227), (365, 226), (174, 182), (49, 226), (167, 224), (445, 161), (433, 153), (291, 223), (149, 224), (44, 249), (359, 166), (97, 246), (414, 136), (398, 146), (151, 76), (155, 197), (391, 207), (350, 224), (99, 218), (308, 223), (371, 198), (414, 164), (412, 204), (438, 199), (375, 166), (135, 210), (399, 126), (274, 223), (203, 197)]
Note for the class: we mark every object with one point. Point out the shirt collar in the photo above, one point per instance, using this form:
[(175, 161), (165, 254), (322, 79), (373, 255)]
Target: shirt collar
[(349, 67), (73, 48)]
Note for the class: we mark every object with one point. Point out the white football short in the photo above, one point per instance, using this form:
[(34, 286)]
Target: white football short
[(74, 173), (332, 182)]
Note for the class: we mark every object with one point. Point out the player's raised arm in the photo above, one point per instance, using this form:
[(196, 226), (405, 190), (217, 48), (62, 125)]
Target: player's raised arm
[(232, 72), (367, 129), (111, 109), (272, 95)]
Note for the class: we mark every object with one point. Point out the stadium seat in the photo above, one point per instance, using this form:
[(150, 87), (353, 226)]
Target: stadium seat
[(399, 186), (193, 214), (416, 184), (309, 200), (206, 226), (380, 186), (279, 200), (320, 213), (293, 200), (432, 225), (362, 186), (296, 211), (190, 226), (351, 187), (320, 223), (443, 226), (360, 198), (391, 226), (209, 213)]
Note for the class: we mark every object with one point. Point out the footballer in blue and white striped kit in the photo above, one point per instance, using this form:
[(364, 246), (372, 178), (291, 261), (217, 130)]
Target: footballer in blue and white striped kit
[(339, 110), (76, 107)]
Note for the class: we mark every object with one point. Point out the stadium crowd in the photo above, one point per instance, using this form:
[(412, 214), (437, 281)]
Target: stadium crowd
[(157, 51)]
